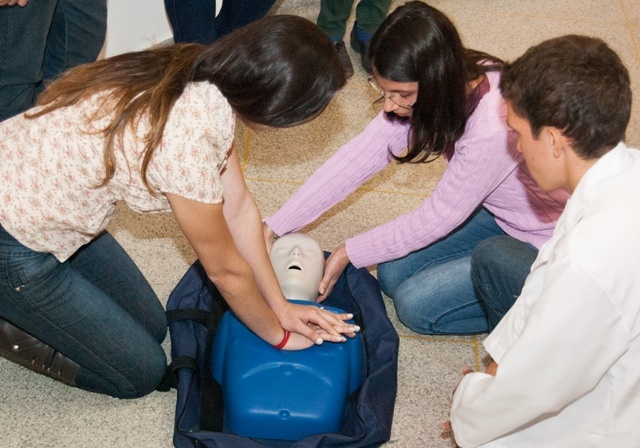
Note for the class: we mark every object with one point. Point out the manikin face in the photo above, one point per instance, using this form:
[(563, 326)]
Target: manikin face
[(298, 262)]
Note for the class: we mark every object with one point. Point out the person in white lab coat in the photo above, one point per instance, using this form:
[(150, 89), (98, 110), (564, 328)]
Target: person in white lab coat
[(566, 356)]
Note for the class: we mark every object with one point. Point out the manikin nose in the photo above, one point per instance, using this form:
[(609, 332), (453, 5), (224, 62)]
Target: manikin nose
[(296, 251)]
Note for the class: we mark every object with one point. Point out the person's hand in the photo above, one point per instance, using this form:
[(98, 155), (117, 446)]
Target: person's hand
[(269, 236), (446, 431), (300, 342), (333, 268), (22, 3), (297, 342), (315, 324)]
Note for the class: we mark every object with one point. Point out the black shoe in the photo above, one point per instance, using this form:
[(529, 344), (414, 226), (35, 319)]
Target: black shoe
[(20, 347), (362, 47), (344, 58)]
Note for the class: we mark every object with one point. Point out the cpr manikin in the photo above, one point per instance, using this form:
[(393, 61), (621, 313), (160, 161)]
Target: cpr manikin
[(298, 262), (278, 394)]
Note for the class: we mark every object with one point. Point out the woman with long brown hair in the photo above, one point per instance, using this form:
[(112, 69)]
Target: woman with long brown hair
[(155, 130)]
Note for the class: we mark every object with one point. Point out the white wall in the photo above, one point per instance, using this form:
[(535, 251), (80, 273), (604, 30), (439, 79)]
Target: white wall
[(136, 25)]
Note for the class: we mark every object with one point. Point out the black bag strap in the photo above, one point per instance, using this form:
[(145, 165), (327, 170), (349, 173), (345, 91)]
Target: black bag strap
[(170, 379), (212, 408), (200, 316)]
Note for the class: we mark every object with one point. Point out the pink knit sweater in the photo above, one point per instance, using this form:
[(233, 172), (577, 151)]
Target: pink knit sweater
[(486, 169)]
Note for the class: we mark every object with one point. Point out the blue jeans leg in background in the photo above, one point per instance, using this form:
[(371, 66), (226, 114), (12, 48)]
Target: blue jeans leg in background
[(238, 13), (499, 268), (23, 37), (77, 35), (42, 39), (192, 20), (431, 288), (96, 308), (196, 21)]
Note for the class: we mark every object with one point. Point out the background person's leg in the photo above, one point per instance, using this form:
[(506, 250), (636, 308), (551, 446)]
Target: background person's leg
[(499, 268), (333, 21), (192, 20), (23, 36), (238, 13), (370, 14), (77, 35), (333, 17)]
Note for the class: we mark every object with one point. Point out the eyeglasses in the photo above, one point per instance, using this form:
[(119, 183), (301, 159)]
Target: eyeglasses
[(374, 85)]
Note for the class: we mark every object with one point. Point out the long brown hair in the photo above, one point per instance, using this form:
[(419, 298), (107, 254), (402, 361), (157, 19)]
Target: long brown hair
[(278, 71)]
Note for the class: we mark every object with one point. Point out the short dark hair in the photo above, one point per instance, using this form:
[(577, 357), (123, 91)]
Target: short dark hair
[(576, 84)]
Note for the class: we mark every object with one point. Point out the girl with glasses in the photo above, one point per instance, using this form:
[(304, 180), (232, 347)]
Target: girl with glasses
[(439, 99)]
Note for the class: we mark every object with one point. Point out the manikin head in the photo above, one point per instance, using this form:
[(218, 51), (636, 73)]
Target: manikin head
[(298, 262)]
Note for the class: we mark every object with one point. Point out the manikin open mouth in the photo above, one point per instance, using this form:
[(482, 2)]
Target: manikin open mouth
[(295, 266)]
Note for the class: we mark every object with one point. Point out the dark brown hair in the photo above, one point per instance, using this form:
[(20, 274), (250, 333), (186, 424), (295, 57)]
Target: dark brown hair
[(418, 43), (278, 71), (576, 84)]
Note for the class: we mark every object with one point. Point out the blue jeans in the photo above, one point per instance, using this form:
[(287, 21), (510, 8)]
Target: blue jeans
[(196, 21), (96, 309), (40, 41), (431, 288), (499, 268)]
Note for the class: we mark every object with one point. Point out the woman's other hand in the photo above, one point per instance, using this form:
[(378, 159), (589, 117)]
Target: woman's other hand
[(333, 268)]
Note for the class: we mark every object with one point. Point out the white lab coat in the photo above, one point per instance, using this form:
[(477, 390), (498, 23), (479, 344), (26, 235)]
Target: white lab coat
[(568, 351)]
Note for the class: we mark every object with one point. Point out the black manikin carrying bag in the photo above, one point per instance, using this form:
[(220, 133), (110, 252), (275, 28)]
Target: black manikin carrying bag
[(194, 310)]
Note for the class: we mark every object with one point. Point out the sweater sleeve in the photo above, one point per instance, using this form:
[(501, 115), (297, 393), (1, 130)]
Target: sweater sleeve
[(484, 157), (351, 166)]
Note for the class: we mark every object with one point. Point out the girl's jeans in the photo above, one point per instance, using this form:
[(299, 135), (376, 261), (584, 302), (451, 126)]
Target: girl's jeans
[(431, 287), (95, 308)]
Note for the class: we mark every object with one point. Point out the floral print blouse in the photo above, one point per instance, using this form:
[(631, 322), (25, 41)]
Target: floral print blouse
[(52, 164)]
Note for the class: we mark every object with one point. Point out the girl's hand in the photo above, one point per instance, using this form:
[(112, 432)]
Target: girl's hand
[(21, 3), (333, 268), (315, 324)]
